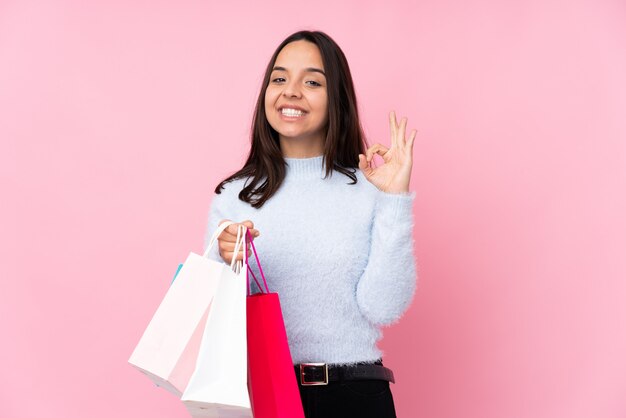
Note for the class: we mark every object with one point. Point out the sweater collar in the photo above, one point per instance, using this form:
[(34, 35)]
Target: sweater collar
[(305, 168)]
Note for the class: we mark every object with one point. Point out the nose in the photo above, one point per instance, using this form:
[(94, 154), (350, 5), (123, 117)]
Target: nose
[(292, 89)]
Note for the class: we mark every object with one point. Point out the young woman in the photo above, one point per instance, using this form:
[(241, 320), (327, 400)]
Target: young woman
[(337, 240)]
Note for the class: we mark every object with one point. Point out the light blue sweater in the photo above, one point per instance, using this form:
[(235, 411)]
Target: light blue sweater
[(340, 257)]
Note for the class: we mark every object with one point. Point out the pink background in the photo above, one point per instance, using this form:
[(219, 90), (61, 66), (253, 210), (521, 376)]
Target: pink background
[(117, 119)]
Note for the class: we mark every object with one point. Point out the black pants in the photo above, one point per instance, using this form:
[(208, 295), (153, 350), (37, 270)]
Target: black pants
[(348, 399)]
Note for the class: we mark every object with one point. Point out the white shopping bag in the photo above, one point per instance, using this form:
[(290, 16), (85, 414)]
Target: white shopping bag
[(219, 384), (168, 350)]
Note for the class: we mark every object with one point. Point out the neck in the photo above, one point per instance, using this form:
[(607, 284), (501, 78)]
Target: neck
[(301, 147)]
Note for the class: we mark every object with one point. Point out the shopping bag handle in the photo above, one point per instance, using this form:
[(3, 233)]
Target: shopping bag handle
[(216, 234), (240, 240), (235, 265), (258, 263)]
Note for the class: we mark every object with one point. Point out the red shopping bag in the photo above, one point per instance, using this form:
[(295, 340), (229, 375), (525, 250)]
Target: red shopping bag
[(272, 383)]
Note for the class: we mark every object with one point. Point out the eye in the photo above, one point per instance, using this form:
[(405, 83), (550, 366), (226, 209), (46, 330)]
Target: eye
[(315, 83), (276, 80)]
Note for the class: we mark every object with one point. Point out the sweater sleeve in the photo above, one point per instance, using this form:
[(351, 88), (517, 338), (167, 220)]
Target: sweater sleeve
[(386, 288)]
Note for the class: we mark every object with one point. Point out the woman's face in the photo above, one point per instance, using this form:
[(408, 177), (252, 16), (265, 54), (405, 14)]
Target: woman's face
[(296, 101)]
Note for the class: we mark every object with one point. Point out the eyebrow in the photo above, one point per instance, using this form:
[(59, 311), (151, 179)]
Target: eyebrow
[(309, 69)]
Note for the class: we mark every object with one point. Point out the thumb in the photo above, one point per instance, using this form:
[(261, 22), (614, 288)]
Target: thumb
[(364, 166), (248, 224)]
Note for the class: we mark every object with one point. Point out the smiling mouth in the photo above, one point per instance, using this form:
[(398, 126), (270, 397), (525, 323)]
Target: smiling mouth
[(291, 113)]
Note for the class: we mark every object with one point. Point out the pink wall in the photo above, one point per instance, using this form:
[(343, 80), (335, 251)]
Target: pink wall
[(118, 118)]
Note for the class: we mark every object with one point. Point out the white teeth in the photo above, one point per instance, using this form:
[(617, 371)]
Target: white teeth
[(292, 112)]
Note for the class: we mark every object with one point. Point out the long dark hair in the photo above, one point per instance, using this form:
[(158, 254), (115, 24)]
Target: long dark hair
[(344, 140)]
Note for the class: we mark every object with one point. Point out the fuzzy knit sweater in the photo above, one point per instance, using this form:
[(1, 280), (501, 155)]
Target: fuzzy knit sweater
[(340, 256)]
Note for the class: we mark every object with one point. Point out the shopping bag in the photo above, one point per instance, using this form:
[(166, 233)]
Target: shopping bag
[(219, 384), (168, 348), (272, 382)]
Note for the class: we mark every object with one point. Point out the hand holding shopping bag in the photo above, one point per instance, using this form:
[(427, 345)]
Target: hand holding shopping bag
[(168, 349), (219, 384)]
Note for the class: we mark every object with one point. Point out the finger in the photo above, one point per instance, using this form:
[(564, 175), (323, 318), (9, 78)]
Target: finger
[(411, 139), (226, 237), (248, 223), (220, 223), (393, 124), (230, 246), (364, 165), (228, 255), (401, 141), (253, 232), (234, 228), (379, 149), (230, 234), (224, 234), (232, 239), (375, 149)]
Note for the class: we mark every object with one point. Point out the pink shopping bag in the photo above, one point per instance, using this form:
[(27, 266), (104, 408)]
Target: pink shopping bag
[(272, 382)]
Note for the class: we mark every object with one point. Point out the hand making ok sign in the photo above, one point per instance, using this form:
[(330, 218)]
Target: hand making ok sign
[(394, 174)]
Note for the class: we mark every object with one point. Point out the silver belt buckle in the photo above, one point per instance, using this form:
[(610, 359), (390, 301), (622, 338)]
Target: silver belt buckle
[(315, 382)]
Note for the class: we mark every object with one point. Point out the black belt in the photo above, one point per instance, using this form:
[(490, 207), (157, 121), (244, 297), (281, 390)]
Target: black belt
[(310, 374)]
